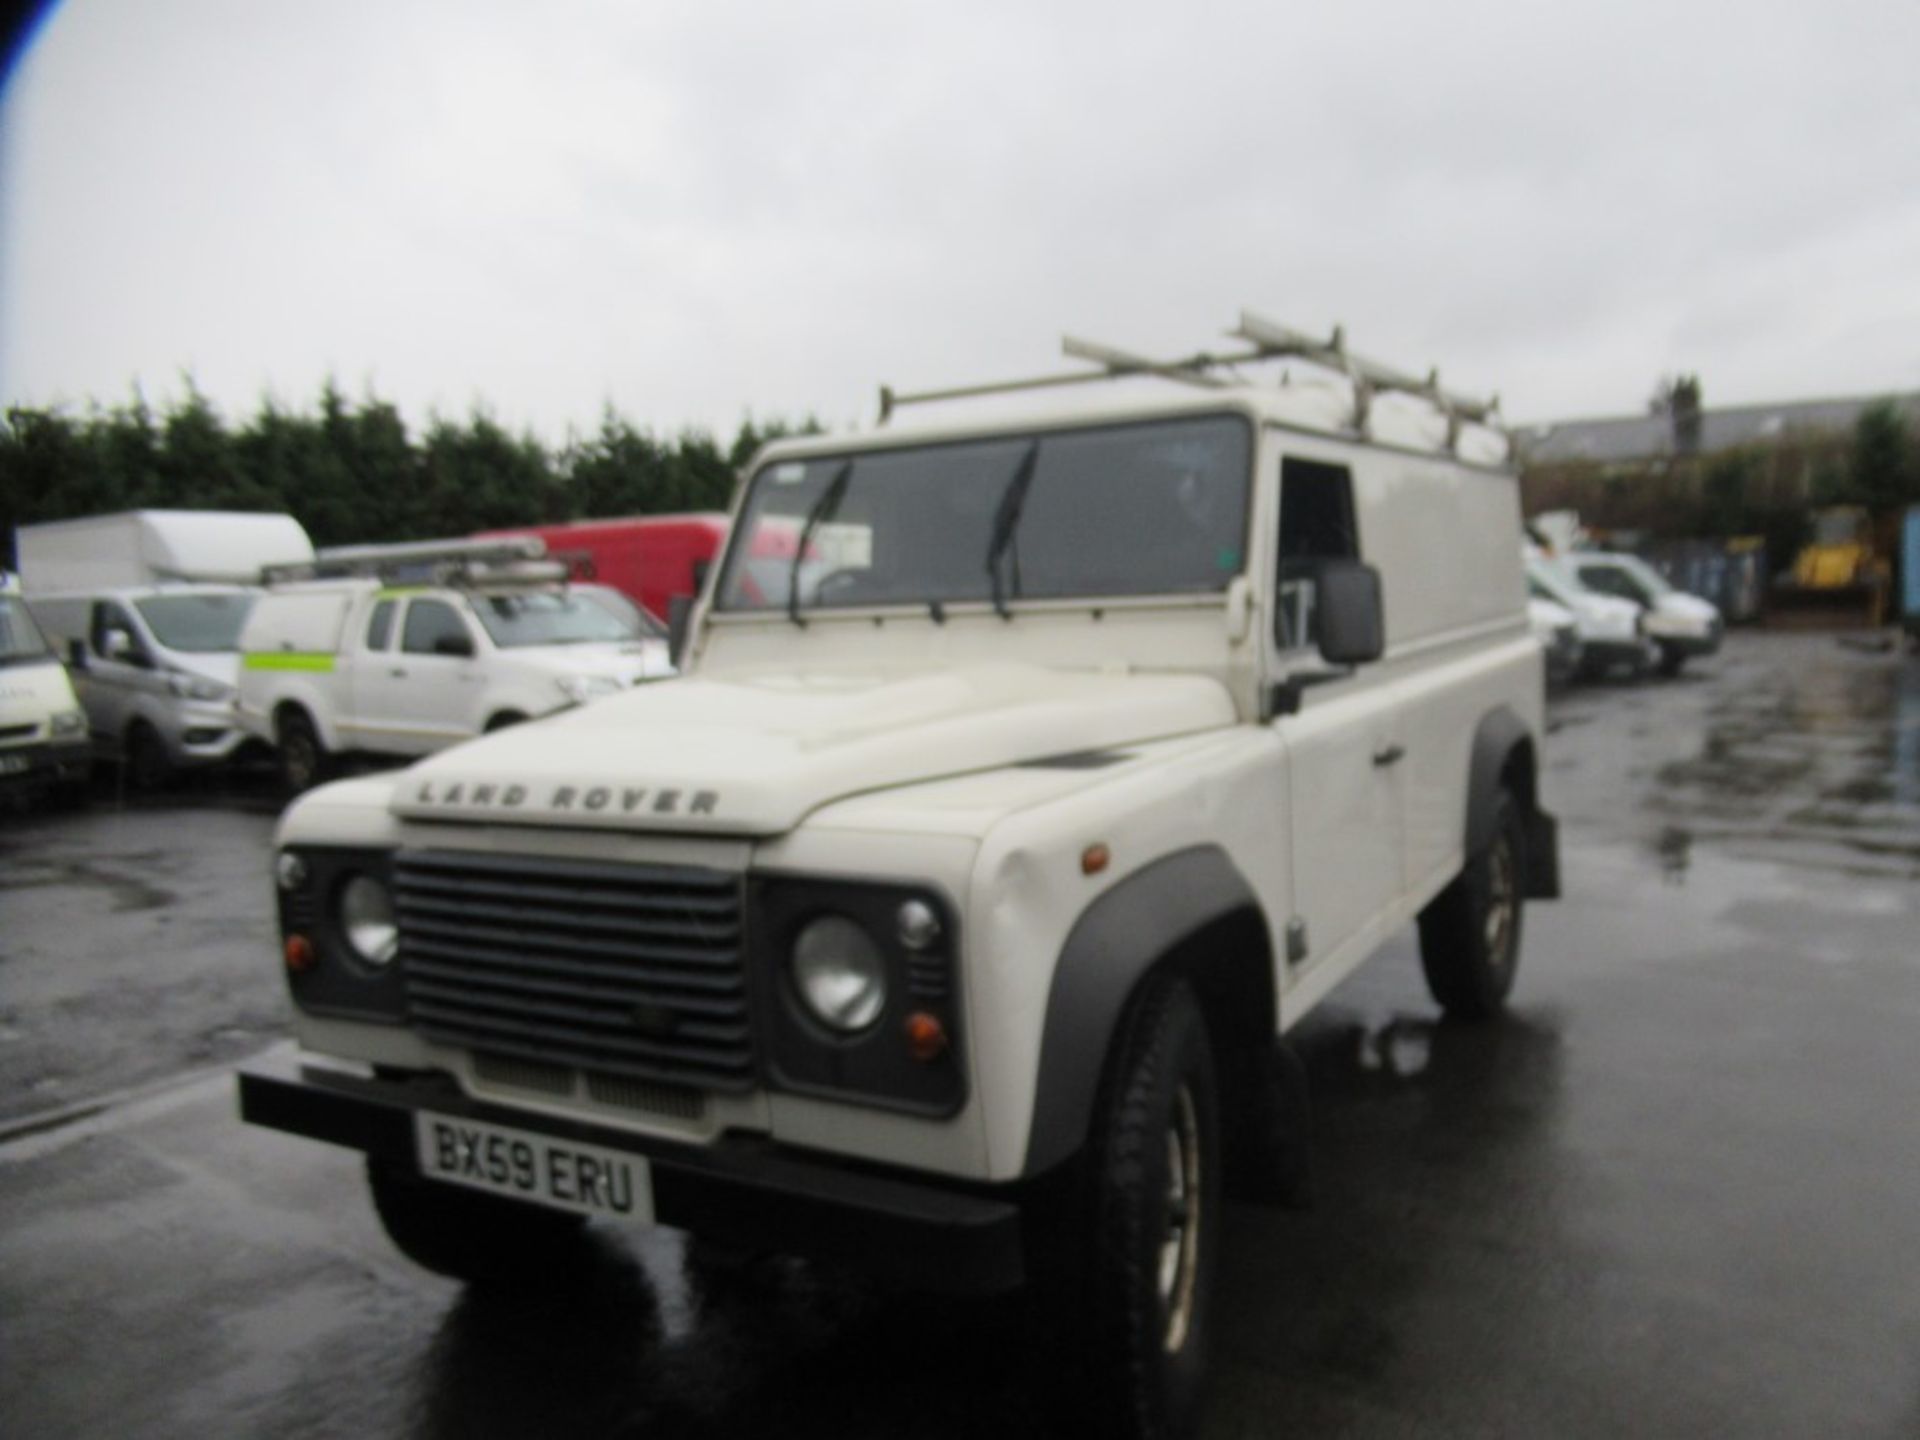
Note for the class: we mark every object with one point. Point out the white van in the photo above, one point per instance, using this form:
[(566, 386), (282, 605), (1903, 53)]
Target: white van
[(146, 606), (943, 917), (1612, 632), (357, 666), (1682, 626), (43, 734)]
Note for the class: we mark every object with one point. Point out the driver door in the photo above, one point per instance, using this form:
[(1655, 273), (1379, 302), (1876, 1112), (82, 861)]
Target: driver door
[(423, 692), (1344, 746)]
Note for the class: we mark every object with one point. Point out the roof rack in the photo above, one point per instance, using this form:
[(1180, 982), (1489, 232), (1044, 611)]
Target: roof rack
[(1267, 340), (522, 560)]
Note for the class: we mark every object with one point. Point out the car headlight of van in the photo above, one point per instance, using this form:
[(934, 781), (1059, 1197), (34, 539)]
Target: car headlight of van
[(582, 688), (67, 723), (197, 687), (864, 989), (365, 915), (339, 935), (839, 973)]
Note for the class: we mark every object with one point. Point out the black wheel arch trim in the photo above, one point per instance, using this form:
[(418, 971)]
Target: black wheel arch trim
[(1501, 739), (1119, 938)]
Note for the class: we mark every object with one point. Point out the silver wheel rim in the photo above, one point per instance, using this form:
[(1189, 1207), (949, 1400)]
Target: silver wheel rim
[(1502, 898), (1180, 1244)]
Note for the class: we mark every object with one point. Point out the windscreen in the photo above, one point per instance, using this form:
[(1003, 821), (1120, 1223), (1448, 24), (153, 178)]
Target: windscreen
[(1650, 579), (196, 624), (20, 638), (645, 625), (547, 617), (1147, 509)]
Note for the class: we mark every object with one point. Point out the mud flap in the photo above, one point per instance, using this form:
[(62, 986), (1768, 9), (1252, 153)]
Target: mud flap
[(1543, 856), (1272, 1163)]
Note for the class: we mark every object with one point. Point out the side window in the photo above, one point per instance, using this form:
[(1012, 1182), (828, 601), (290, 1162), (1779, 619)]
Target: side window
[(107, 618), (1316, 525), (380, 625), (429, 623)]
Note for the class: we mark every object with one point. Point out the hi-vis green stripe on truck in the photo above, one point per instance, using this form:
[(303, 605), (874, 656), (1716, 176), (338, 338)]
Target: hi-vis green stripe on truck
[(289, 660)]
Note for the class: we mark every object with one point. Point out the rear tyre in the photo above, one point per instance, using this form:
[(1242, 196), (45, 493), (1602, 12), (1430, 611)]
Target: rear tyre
[(1125, 1292), (504, 720), (149, 767), (304, 761), (1470, 932), (465, 1235), (1672, 657)]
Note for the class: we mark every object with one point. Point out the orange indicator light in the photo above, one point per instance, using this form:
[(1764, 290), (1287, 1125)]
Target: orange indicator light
[(1094, 859), (926, 1036), (299, 953)]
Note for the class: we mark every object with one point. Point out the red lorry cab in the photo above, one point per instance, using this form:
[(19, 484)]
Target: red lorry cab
[(649, 558)]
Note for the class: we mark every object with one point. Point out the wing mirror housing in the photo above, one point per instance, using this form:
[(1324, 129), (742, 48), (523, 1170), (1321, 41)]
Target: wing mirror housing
[(1352, 630)]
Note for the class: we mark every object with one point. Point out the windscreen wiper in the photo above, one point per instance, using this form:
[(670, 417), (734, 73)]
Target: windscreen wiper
[(1005, 520), (823, 508)]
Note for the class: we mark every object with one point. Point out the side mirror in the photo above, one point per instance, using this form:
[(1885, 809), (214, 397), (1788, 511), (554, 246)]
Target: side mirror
[(458, 646), (1351, 628), (118, 645), (679, 621), (76, 654)]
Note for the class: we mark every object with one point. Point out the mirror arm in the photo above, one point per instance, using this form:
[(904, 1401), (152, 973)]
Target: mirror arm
[(1284, 696)]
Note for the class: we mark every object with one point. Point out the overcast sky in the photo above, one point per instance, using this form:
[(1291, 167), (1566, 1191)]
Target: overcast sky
[(693, 210)]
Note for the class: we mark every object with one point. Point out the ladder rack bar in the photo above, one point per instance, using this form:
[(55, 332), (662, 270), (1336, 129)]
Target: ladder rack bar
[(1117, 363), (891, 399), (1269, 341), (1276, 341), (523, 558)]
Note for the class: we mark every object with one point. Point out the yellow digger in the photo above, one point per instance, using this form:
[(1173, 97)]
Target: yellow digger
[(1841, 578)]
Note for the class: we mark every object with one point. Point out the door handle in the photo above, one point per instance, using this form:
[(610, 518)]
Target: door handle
[(1389, 754), (398, 673)]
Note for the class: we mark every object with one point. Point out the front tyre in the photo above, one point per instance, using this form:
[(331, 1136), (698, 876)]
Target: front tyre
[(465, 1235), (1140, 1333), (304, 761), (1470, 931), (1672, 657)]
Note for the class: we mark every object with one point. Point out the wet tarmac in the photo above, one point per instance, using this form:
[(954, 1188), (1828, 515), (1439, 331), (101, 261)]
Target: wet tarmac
[(1675, 1192)]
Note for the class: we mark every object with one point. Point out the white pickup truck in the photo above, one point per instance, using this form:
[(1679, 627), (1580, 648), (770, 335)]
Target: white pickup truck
[(334, 667)]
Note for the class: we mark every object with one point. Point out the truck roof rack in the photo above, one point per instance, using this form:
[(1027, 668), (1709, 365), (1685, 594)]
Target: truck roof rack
[(1266, 340), (521, 560)]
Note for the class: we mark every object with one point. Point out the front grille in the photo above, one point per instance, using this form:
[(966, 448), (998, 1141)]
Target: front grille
[(625, 970)]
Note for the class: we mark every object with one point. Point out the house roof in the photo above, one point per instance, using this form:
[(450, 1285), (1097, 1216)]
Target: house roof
[(1644, 437)]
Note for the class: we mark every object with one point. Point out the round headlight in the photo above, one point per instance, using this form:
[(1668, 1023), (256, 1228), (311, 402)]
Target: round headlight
[(366, 915), (840, 973), (290, 870)]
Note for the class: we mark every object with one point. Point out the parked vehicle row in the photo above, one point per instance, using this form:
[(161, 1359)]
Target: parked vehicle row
[(1624, 615), (177, 657)]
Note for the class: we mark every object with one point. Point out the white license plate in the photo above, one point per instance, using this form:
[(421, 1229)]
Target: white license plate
[(583, 1178), (14, 764)]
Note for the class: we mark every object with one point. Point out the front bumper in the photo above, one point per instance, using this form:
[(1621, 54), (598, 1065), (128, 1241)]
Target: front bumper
[(52, 762), (740, 1191), (1696, 644)]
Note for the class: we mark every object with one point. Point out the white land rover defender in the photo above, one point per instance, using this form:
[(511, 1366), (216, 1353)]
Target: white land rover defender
[(944, 915)]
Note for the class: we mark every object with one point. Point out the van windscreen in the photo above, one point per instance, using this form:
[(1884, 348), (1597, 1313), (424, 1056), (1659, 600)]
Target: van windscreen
[(196, 624)]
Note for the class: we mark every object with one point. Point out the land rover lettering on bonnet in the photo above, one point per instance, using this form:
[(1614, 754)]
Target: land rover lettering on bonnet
[(627, 799), (1029, 775)]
